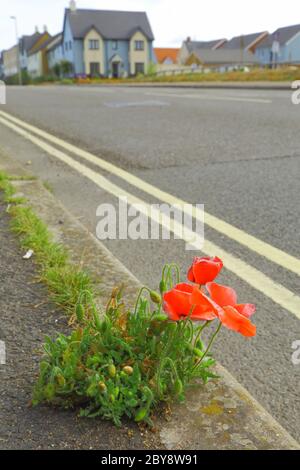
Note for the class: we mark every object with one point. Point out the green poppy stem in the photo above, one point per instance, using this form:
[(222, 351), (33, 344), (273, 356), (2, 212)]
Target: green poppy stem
[(209, 346)]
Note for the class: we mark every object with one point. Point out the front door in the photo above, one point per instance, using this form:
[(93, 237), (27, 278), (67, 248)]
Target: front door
[(115, 69)]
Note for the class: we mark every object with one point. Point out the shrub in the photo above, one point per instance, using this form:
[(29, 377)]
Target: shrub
[(127, 362)]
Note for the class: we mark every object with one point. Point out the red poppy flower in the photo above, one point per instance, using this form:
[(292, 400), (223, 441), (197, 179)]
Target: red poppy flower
[(178, 304), (233, 315), (204, 270), (226, 296)]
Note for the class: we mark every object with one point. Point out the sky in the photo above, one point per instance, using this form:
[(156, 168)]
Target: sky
[(171, 20)]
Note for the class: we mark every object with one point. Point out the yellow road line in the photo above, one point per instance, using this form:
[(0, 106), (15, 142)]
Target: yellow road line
[(276, 292), (212, 98), (273, 254)]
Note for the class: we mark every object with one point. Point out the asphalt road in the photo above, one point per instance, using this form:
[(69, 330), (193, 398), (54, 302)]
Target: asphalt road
[(236, 151)]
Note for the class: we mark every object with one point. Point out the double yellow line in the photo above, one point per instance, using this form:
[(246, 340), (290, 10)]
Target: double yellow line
[(276, 292)]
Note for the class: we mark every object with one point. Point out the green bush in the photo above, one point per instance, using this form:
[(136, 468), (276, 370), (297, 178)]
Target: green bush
[(124, 363), (14, 79)]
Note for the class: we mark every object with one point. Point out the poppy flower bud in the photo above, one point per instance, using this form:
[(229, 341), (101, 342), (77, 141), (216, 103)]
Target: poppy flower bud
[(178, 387), (197, 352), (61, 380), (162, 286), (102, 387), (128, 370), (112, 370), (141, 414), (112, 398), (155, 297), (159, 317)]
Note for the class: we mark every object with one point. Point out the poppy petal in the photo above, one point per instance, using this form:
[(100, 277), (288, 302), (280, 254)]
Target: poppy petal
[(233, 320), (190, 275), (178, 299), (222, 295), (172, 314), (246, 309), (207, 305)]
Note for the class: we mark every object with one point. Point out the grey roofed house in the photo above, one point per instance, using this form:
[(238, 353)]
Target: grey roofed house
[(214, 44), (224, 57), (27, 42), (110, 24), (41, 46), (282, 35), (247, 41)]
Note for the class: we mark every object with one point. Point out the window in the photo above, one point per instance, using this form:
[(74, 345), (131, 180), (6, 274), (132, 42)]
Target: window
[(94, 69), (139, 45), (115, 45), (70, 45), (66, 46), (139, 68), (94, 44)]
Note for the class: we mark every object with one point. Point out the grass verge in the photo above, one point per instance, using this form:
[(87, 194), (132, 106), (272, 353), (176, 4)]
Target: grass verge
[(65, 281)]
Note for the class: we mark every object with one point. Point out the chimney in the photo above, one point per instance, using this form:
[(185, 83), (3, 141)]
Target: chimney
[(188, 39), (45, 28), (36, 29), (73, 7)]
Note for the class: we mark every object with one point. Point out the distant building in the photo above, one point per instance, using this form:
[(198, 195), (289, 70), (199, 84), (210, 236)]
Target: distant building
[(17, 56), (10, 61), (248, 42), (280, 47), (26, 43), (221, 60), (188, 47), (37, 61), (107, 43), (166, 55)]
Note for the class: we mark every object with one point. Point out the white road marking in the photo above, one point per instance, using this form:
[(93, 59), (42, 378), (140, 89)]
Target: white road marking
[(273, 254), (259, 281), (212, 98)]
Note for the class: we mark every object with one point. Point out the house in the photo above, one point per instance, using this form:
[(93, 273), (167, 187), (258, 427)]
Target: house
[(54, 51), (188, 47), (37, 60), (221, 60), (17, 56), (11, 61), (280, 47), (107, 43), (248, 42), (166, 55), (26, 44)]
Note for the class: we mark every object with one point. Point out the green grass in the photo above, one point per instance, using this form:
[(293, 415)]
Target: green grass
[(255, 75), (48, 186), (64, 279)]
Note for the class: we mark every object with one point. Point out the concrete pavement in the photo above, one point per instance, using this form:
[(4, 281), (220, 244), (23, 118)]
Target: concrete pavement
[(237, 152)]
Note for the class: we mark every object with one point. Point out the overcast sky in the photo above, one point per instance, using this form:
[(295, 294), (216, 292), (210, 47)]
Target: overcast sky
[(171, 20)]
